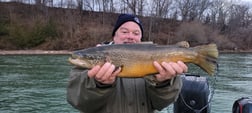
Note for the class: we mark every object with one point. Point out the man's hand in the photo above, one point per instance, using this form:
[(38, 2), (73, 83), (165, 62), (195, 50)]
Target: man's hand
[(105, 74), (169, 70)]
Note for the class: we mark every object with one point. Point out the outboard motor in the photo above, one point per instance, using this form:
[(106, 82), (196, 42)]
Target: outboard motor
[(194, 95), (242, 105)]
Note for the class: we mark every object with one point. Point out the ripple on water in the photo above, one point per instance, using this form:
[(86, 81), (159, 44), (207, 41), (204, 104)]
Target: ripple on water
[(37, 83)]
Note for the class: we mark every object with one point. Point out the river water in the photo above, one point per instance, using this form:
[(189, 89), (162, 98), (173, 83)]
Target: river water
[(37, 83)]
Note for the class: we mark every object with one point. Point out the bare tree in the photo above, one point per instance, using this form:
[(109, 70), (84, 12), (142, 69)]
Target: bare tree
[(238, 17), (132, 5), (49, 3), (80, 5), (193, 9), (201, 7), (105, 5), (135, 6), (60, 3), (112, 8), (88, 5), (161, 7), (218, 14), (38, 2), (184, 6), (71, 4), (141, 4)]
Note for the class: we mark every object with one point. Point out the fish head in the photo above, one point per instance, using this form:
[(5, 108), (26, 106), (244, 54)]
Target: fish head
[(87, 60)]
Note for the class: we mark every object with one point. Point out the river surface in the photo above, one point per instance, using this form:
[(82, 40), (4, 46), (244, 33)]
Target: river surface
[(37, 83)]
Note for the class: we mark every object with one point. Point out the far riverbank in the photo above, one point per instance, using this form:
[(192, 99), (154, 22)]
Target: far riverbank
[(34, 52)]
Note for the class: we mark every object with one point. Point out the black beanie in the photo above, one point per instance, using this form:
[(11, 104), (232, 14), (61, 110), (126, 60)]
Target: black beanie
[(122, 18)]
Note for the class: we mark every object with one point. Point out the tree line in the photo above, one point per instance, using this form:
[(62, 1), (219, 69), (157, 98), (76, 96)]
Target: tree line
[(228, 17), (216, 12)]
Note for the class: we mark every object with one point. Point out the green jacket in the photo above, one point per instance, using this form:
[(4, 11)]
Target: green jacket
[(127, 95)]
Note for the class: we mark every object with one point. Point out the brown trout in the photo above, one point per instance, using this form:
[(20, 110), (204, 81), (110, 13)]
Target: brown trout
[(136, 60)]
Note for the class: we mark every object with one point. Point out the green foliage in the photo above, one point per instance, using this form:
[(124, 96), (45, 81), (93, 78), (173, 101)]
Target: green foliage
[(17, 35), (26, 37), (3, 29)]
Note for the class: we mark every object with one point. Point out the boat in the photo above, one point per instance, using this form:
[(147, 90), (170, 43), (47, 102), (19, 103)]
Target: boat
[(196, 96), (242, 105)]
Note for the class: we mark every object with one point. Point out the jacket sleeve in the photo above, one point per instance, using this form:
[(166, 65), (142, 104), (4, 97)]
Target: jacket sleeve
[(161, 96), (83, 93)]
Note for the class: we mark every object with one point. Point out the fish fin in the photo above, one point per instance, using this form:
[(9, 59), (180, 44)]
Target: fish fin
[(207, 58), (183, 44)]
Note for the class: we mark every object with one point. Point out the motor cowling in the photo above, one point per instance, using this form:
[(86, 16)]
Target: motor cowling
[(242, 105), (194, 95)]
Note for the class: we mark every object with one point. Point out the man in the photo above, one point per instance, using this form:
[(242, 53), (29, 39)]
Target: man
[(98, 90)]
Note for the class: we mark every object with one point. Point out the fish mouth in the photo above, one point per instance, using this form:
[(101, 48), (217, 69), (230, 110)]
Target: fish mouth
[(74, 56), (75, 60)]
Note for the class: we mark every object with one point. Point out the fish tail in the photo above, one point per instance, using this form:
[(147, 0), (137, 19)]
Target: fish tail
[(207, 58)]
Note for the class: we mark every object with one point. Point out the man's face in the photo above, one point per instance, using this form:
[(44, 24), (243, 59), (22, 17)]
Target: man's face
[(129, 32)]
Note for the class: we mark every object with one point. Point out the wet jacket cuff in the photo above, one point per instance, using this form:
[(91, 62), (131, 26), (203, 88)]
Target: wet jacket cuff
[(164, 83), (153, 81), (101, 85)]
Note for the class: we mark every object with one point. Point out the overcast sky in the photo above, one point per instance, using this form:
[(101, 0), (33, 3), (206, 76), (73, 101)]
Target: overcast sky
[(247, 1)]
